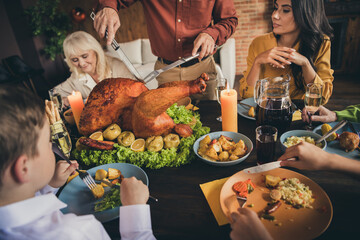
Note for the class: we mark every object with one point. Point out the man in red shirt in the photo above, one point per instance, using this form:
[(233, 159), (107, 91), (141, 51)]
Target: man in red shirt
[(177, 29)]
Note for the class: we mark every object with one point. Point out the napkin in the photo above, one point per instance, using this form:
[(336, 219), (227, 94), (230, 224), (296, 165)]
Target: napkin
[(296, 115), (211, 191)]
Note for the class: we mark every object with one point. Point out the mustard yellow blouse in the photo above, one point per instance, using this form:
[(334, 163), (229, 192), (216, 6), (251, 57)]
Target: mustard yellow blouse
[(324, 74)]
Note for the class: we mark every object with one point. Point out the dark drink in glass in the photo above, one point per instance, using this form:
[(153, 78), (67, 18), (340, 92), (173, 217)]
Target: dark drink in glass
[(266, 137), (275, 112)]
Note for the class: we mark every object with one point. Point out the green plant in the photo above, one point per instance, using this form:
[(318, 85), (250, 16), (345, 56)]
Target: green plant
[(46, 18)]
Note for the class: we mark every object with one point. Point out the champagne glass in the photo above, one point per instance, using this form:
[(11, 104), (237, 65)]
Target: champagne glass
[(312, 100), (56, 98), (60, 136), (221, 84)]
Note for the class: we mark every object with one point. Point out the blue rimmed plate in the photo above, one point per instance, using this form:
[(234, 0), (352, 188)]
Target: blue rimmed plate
[(243, 110), (80, 199), (334, 146), (236, 137)]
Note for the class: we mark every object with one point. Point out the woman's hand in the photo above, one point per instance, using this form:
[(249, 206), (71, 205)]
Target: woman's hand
[(277, 57), (298, 59), (62, 171), (310, 157), (325, 115)]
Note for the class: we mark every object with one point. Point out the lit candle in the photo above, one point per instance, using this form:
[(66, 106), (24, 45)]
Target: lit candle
[(77, 105), (228, 99)]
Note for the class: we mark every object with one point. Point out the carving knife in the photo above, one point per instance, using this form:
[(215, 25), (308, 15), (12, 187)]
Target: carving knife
[(156, 73), (121, 54)]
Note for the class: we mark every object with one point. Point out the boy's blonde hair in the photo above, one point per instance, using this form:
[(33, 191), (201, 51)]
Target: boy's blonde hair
[(21, 119), (80, 41)]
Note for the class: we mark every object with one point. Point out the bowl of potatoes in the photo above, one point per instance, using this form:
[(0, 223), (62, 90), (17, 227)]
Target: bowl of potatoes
[(223, 148)]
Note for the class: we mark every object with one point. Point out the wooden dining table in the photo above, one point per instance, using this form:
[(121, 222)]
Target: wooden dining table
[(182, 211)]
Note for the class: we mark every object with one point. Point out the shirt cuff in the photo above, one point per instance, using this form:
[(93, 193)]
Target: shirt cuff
[(106, 3), (134, 218)]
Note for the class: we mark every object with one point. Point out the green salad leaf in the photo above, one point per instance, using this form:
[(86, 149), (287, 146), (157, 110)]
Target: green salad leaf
[(173, 157)]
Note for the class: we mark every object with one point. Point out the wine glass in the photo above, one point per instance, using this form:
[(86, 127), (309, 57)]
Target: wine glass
[(60, 136), (312, 100), (56, 98), (221, 84)]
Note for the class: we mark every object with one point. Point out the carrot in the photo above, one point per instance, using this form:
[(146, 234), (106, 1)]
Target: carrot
[(242, 187)]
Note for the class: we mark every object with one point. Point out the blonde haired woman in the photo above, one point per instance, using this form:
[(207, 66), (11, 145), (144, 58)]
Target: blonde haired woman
[(88, 64)]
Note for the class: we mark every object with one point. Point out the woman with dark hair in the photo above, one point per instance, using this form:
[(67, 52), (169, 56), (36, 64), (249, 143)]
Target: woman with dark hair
[(299, 45)]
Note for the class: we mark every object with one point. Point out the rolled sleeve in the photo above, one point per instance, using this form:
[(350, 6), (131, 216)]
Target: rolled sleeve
[(324, 73)]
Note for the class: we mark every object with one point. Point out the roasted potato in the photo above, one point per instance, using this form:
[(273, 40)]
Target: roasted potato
[(171, 140), (113, 173), (205, 142), (239, 149), (98, 191), (211, 152), (126, 138), (154, 143), (226, 145), (224, 156), (100, 174)]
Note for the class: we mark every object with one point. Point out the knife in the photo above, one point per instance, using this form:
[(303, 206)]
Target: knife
[(156, 73), (334, 129), (352, 128), (121, 54), (265, 167)]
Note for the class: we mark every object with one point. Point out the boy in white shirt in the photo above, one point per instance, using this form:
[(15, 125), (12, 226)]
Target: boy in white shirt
[(29, 176)]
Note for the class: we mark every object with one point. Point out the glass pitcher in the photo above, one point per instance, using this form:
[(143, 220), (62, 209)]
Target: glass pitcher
[(273, 103)]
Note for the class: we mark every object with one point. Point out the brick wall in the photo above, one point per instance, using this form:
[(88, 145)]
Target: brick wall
[(254, 20)]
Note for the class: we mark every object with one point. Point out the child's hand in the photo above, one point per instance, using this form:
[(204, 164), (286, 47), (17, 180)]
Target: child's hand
[(62, 171)]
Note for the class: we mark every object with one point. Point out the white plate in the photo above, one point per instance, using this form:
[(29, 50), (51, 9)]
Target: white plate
[(243, 111)]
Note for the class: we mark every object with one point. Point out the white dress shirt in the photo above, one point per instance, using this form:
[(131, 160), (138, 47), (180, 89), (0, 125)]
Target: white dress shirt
[(40, 218)]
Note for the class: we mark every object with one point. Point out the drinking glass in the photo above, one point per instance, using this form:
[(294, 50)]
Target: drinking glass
[(312, 100), (221, 84), (56, 98), (60, 136), (266, 137)]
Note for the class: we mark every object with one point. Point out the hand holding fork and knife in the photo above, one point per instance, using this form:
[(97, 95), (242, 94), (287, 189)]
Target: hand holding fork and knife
[(84, 175)]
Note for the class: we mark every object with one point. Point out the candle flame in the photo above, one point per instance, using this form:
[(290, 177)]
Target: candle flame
[(73, 93), (228, 88)]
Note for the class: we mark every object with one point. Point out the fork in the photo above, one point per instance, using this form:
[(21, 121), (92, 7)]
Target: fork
[(85, 176), (241, 200)]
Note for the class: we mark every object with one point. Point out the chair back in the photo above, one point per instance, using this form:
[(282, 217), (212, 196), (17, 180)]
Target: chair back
[(5, 75), (17, 66)]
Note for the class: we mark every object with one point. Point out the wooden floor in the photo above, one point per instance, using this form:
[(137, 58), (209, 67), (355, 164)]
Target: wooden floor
[(344, 85)]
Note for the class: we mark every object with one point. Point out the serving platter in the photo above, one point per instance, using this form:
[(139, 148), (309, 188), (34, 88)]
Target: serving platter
[(80, 199), (334, 146), (303, 223)]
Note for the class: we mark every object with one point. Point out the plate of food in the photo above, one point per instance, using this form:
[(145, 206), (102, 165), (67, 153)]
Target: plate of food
[(80, 199), (244, 108), (334, 146), (223, 148), (304, 210)]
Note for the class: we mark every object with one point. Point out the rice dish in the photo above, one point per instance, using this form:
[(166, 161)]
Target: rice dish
[(293, 140), (295, 193)]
